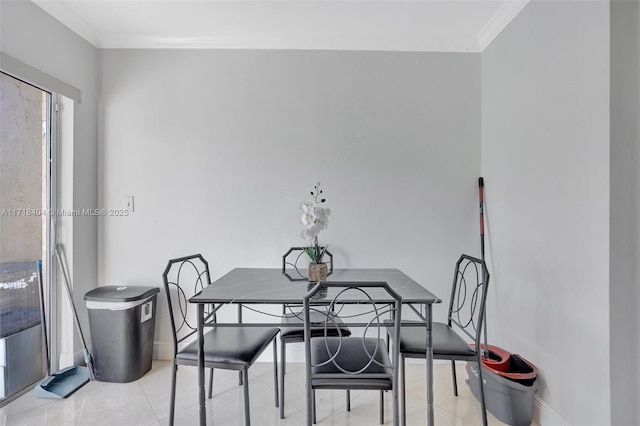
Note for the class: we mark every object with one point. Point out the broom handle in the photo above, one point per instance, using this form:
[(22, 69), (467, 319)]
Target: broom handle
[(73, 307)]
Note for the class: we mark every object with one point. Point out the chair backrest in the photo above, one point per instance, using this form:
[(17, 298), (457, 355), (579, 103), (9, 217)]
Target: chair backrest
[(183, 278), (468, 297), (370, 303), (295, 259)]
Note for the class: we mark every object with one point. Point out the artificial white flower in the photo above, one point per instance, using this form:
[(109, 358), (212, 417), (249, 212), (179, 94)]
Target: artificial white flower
[(322, 224), (308, 206), (309, 233), (322, 214), (314, 219), (308, 218)]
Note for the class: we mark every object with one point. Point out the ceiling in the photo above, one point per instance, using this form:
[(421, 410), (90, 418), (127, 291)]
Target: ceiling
[(398, 25)]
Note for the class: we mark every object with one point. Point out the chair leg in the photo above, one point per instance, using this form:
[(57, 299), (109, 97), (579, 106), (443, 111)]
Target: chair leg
[(308, 397), (381, 407), (309, 410), (455, 380), (482, 400), (395, 404), (211, 384), (313, 411), (348, 400), (403, 389), (282, 349), (172, 407), (275, 370), (247, 411), (283, 360)]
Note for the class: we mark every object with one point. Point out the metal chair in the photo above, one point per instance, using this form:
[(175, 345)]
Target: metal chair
[(229, 348), (292, 330), (349, 362), (466, 314)]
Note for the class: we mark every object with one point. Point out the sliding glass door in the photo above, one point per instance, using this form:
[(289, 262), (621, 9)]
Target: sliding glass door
[(25, 141)]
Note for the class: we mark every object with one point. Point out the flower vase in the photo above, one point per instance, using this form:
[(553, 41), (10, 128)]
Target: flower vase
[(317, 272)]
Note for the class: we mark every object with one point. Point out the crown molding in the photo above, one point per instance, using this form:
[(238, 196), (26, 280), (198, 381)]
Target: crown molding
[(72, 21), (320, 38), (499, 22)]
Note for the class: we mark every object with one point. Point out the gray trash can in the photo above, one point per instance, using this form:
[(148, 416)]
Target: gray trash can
[(122, 323)]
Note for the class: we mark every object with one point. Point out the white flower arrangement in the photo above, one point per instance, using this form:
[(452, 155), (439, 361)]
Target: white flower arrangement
[(315, 218)]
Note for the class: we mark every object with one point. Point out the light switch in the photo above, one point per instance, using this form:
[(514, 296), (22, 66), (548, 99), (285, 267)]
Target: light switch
[(128, 202)]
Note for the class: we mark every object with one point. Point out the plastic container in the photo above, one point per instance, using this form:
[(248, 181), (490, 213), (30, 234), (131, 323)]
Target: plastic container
[(122, 322), (508, 394)]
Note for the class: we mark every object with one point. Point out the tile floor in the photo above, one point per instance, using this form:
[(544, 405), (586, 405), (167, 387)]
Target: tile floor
[(145, 402)]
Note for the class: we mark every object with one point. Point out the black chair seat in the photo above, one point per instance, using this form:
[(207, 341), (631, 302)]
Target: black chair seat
[(446, 342), (293, 327), (352, 358), (230, 345)]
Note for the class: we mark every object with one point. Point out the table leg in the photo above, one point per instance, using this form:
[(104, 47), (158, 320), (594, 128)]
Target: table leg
[(201, 397), (429, 357)]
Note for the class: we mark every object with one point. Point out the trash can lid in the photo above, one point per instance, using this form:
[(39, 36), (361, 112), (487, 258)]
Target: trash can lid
[(114, 293)]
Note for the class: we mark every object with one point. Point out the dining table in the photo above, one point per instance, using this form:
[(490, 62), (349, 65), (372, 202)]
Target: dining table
[(273, 286)]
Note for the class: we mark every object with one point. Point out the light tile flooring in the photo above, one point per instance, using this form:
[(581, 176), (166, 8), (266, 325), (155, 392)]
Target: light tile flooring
[(145, 402)]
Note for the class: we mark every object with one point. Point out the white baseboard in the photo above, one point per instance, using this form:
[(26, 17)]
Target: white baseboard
[(545, 415), (163, 350), (68, 359)]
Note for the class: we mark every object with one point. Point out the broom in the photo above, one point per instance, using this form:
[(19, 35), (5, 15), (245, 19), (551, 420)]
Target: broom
[(87, 357)]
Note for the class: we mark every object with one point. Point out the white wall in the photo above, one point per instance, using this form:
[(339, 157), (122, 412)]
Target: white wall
[(220, 147), (545, 158), (33, 37), (625, 212)]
